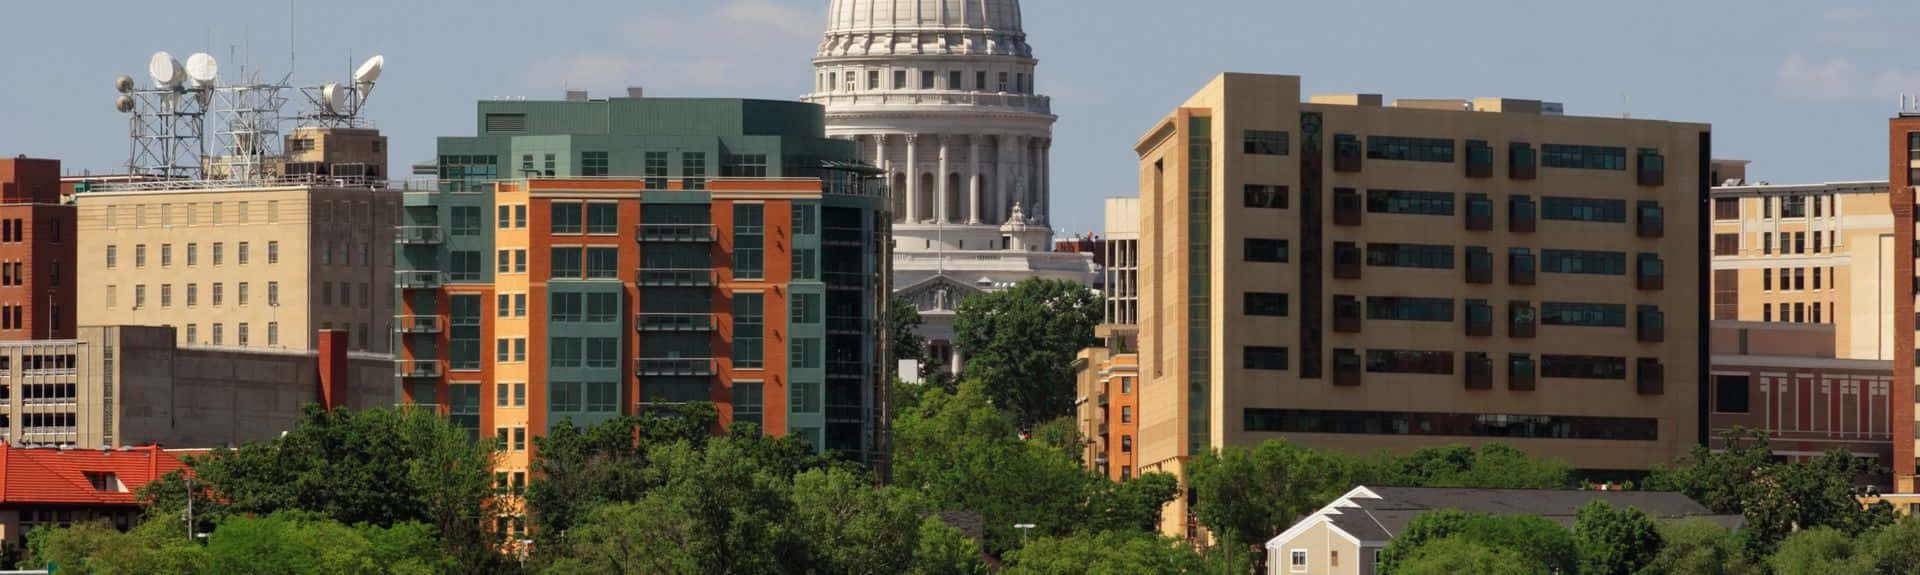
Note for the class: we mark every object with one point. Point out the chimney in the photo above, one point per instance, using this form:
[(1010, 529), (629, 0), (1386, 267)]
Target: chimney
[(636, 92), (332, 361), (576, 95)]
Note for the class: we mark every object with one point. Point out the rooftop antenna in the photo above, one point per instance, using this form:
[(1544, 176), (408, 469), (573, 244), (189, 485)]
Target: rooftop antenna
[(1626, 106)]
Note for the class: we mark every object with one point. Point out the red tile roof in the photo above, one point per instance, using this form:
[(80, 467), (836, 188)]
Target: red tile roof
[(44, 475)]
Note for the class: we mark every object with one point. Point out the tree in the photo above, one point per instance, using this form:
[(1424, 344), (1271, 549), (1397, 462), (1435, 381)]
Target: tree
[(1454, 555), (1493, 466), (1020, 344), (1699, 547), (1777, 498), (1614, 540), (1108, 552), (96, 548), (1545, 546), (1255, 493), (1895, 548), (579, 469), (857, 529), (381, 467), (903, 333), (1821, 551), (302, 543)]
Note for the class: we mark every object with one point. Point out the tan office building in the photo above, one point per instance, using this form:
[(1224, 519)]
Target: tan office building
[(1358, 276), (241, 264), (1811, 253)]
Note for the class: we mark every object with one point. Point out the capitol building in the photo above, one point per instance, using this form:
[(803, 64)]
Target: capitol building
[(941, 95)]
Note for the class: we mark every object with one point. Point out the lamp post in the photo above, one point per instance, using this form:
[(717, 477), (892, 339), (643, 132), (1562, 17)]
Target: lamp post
[(1024, 528)]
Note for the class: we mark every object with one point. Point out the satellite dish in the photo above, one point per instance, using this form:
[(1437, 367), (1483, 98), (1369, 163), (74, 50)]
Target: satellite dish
[(165, 71), (332, 98), (202, 70), (366, 75), (124, 103), (123, 84)]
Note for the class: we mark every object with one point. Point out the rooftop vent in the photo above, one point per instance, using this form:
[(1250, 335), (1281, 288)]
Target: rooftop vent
[(636, 92), (576, 95)]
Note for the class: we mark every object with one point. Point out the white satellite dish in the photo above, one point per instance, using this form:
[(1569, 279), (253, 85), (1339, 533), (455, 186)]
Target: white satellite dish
[(165, 71), (332, 98), (202, 70), (366, 75)]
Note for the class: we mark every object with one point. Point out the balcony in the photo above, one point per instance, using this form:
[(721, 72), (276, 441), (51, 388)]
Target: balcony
[(667, 366), (418, 368), (419, 324), (1103, 399), (418, 279), (674, 322), (841, 236), (418, 235), (688, 233), (676, 277)]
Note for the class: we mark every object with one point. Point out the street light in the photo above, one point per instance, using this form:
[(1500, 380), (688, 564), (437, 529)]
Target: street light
[(1024, 528)]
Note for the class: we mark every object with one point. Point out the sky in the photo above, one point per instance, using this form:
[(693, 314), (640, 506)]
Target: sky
[(1802, 89)]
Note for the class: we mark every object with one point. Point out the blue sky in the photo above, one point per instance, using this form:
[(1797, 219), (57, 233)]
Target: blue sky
[(1800, 88)]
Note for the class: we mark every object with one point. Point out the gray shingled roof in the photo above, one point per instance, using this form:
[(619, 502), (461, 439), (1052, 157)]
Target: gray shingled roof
[(1379, 519)]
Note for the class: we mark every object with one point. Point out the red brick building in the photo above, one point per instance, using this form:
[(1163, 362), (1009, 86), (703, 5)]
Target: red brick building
[(1783, 379), (61, 487), (37, 257), (1903, 143)]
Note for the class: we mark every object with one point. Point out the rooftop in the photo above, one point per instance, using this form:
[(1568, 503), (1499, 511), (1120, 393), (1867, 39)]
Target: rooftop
[(1375, 514), (82, 476)]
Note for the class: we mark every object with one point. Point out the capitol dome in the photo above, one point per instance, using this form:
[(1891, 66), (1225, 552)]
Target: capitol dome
[(994, 24)]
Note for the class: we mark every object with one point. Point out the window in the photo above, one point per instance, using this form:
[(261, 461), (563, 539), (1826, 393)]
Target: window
[(745, 166), (1347, 152), (603, 352), (219, 334), (748, 402), (748, 320), (953, 80), (980, 81), (806, 308), (1816, 278), (1479, 212), (1786, 243), (1731, 393), (566, 262), (113, 256), (565, 217), (1520, 214), (1583, 157), (1299, 560), (1258, 196), (693, 170), (564, 352), (166, 255), (1583, 367), (465, 265), (1479, 318), (565, 307), (240, 293), (166, 295), (1726, 244), (1726, 208), (1799, 242), (601, 307), (1479, 265), (1411, 256), (1266, 143), (1793, 206), (273, 252), (1583, 314), (1410, 149), (1126, 414), (1409, 361), (1479, 159), (1583, 209), (273, 334), (1651, 168), (1264, 357), (1584, 262), (749, 241), (1409, 308), (1266, 304), (593, 164), (603, 218), (1521, 319), (1346, 207), (655, 170), (464, 332), (1522, 162), (603, 263), (466, 221), (1410, 202), (1266, 250)]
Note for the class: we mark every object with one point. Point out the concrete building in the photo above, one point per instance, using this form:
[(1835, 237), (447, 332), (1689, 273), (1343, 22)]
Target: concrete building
[(943, 97), (660, 251), (1346, 536), (243, 264), (1108, 376), (128, 385), (1360, 277), (37, 258), (51, 487), (1785, 380)]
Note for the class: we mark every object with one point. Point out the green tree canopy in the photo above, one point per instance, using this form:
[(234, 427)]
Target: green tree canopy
[(1458, 555), (1544, 545), (1108, 552), (1777, 497), (1020, 344), (1699, 547), (903, 333), (579, 469), (1614, 540), (286, 542), (1821, 551)]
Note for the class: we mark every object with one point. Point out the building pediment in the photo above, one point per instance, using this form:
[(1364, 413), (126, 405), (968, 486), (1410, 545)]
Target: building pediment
[(940, 292)]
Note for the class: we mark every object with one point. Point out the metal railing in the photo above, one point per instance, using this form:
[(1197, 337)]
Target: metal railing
[(419, 323), (675, 322), (672, 277), (418, 279), (1023, 102), (688, 366), (675, 232), (421, 235), (419, 368)]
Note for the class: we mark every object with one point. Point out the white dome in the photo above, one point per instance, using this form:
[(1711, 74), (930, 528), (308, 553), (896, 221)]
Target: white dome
[(894, 15)]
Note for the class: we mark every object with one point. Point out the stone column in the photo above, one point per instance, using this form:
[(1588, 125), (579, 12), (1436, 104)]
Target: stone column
[(1003, 194), (973, 179), (913, 179), (945, 197), (1031, 175), (1046, 179)]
